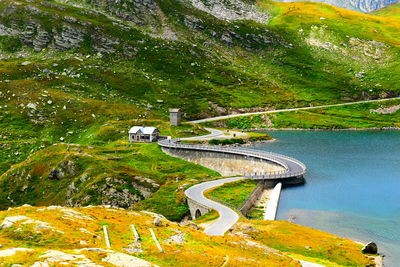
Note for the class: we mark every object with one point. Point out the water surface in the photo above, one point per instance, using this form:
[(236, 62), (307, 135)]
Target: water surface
[(352, 188)]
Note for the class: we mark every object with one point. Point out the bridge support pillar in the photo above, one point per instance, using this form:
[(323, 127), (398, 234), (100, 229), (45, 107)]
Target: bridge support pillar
[(269, 183), (197, 210)]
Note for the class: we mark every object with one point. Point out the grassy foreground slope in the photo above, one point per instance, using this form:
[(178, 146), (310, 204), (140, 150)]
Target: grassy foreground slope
[(66, 236), (56, 230), (297, 241)]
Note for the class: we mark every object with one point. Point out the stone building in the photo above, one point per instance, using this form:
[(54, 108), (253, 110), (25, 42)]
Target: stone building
[(143, 134), (175, 116)]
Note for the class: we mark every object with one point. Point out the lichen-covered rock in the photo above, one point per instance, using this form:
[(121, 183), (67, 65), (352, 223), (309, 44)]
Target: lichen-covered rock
[(13, 251), (176, 239), (157, 222), (125, 260), (9, 221), (370, 248)]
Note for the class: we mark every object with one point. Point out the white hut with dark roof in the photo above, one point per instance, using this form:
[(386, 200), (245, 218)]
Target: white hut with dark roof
[(143, 134)]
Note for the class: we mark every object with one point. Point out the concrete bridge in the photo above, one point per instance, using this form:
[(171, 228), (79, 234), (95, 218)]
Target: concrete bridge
[(292, 168), (197, 209)]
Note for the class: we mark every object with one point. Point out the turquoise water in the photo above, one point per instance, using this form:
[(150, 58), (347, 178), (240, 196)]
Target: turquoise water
[(352, 186)]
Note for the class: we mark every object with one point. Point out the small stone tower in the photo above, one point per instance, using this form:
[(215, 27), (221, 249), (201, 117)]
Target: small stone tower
[(175, 116)]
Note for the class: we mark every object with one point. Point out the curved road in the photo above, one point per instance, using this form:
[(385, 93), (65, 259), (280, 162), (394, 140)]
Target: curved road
[(227, 217), (214, 133)]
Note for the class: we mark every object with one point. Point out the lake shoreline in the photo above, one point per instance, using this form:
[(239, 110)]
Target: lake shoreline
[(321, 154)]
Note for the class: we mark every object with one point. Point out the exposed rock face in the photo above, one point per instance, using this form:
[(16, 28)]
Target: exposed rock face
[(110, 194), (65, 34), (140, 12), (386, 110), (357, 5), (230, 10), (370, 248), (70, 37), (176, 239), (55, 175), (65, 168), (12, 251), (121, 259)]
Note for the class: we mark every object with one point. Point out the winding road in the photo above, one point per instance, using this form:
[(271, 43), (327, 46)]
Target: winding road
[(227, 218)]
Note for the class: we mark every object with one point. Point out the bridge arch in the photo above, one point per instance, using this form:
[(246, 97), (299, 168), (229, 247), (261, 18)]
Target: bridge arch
[(197, 214), (196, 209)]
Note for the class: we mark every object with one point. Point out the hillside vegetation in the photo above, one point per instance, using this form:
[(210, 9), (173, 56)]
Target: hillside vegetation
[(358, 116), (105, 169), (83, 72), (76, 75), (391, 11), (356, 5)]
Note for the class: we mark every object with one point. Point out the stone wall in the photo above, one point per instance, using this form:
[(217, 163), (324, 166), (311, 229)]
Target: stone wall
[(252, 199), (225, 164)]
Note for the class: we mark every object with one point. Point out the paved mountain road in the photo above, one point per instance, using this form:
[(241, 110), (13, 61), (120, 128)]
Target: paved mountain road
[(289, 109), (228, 217)]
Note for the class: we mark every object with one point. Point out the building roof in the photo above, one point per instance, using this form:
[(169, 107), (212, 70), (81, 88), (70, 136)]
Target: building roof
[(143, 130)]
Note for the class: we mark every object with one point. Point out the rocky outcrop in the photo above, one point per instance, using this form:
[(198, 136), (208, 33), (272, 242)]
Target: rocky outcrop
[(230, 10), (71, 183), (65, 33), (370, 248), (114, 192), (139, 12), (386, 110), (70, 37)]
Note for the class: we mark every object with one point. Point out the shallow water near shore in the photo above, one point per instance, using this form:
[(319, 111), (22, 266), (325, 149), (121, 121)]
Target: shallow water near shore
[(352, 186)]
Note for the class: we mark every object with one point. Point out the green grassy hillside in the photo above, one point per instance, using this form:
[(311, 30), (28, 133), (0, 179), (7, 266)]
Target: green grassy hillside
[(105, 169), (358, 116), (391, 11), (72, 70)]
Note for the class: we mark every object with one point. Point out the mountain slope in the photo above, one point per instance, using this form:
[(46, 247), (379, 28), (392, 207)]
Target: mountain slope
[(391, 11), (356, 5), (74, 71)]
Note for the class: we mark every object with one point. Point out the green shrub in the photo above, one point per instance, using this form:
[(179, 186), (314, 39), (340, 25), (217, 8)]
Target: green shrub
[(231, 141)]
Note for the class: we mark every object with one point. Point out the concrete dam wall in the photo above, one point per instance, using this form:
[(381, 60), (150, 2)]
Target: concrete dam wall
[(224, 163)]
